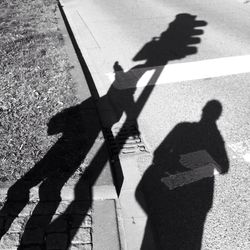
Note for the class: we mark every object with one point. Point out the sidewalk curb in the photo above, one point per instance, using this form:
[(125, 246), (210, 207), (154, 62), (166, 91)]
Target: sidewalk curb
[(103, 193), (106, 189)]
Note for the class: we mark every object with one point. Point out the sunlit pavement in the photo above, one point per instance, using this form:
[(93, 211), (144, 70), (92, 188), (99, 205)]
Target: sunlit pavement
[(187, 60)]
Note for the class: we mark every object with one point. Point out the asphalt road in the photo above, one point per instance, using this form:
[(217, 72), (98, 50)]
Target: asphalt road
[(139, 41)]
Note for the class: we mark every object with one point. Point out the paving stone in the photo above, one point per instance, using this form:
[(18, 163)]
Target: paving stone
[(3, 213), (34, 236), (20, 208), (68, 192), (1, 223), (28, 209), (3, 194), (81, 236), (1, 203), (81, 208), (34, 194), (11, 248), (72, 181), (62, 207), (81, 247), (50, 195), (19, 192), (74, 208), (10, 241), (58, 224), (33, 247), (45, 208), (38, 221), (105, 233), (16, 225), (56, 241), (77, 221), (13, 208)]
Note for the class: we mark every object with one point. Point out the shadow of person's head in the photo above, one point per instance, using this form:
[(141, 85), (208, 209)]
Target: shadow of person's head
[(211, 111), (68, 121), (55, 125)]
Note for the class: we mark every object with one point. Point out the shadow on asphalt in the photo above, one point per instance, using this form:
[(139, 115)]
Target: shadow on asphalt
[(177, 213), (79, 130)]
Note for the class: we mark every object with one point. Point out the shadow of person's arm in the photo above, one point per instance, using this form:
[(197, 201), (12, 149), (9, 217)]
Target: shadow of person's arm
[(220, 153), (224, 161)]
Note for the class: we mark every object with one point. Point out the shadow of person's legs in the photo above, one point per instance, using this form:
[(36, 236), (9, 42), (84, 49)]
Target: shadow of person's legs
[(80, 128), (78, 211), (49, 200), (18, 197)]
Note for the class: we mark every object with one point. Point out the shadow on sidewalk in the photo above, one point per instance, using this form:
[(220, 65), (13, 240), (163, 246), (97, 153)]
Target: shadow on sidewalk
[(79, 128), (79, 131), (178, 187)]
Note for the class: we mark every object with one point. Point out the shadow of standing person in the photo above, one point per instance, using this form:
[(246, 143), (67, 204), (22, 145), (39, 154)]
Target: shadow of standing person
[(63, 159), (79, 128), (178, 187)]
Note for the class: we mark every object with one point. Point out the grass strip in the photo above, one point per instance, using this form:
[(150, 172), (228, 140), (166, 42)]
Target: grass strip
[(35, 82)]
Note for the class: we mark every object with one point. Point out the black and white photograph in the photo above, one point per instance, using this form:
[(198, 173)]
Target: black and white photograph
[(125, 125)]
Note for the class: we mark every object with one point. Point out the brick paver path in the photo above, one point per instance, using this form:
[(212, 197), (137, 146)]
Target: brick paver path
[(35, 228)]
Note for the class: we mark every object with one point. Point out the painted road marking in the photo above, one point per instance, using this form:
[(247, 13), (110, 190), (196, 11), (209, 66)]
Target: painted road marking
[(201, 166), (180, 72)]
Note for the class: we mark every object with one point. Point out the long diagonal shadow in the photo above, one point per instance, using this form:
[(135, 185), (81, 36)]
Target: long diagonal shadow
[(66, 155)]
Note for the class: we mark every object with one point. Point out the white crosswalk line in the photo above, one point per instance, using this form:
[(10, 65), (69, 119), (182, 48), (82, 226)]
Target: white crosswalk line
[(180, 72)]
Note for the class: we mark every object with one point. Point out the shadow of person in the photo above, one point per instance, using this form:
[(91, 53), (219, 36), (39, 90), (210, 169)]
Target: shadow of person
[(79, 131), (156, 54), (178, 187), (79, 127)]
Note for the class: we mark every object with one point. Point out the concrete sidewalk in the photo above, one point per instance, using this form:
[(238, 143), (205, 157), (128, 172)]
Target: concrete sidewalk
[(126, 143)]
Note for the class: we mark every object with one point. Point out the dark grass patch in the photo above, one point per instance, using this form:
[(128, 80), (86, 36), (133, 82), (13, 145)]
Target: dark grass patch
[(35, 83)]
